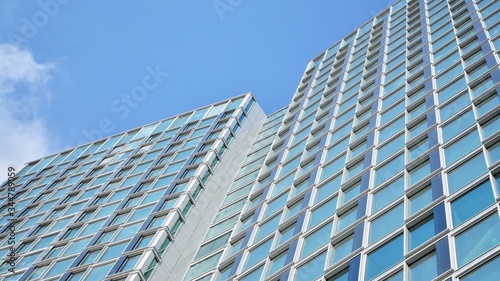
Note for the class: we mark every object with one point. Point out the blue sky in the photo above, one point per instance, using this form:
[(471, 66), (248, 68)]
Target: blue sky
[(68, 68)]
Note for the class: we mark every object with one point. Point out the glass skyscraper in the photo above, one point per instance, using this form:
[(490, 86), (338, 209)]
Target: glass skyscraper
[(384, 166)]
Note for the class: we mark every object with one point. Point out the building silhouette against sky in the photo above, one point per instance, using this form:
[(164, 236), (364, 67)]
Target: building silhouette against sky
[(384, 166)]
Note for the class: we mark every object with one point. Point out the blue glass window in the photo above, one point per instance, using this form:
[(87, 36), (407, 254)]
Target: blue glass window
[(491, 127), (351, 192), (387, 194), (276, 204), (341, 276), (391, 129), (98, 273), (390, 148), (421, 232), (255, 275), (312, 269), (418, 149), (461, 147), (258, 253), (455, 106), (419, 172), (471, 203), (425, 268), (314, 241), (328, 188), (494, 153), (483, 86), (285, 234), (451, 90), (487, 229), (386, 223), (389, 169), (277, 263), (342, 249), (384, 257), (268, 227), (332, 167), (466, 172), (477, 71), (489, 103), (487, 271), (449, 75), (347, 219), (420, 200), (321, 213)]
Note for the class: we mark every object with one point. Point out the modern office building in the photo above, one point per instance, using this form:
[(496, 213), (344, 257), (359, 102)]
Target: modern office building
[(384, 166)]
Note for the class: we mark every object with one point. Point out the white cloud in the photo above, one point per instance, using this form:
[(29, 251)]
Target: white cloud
[(23, 95)]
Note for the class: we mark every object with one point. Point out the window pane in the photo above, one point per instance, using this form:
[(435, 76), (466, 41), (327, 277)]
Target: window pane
[(419, 172), (390, 130), (314, 241), (333, 167), (418, 149), (203, 266), (461, 147), (258, 253), (59, 268), (471, 203), (98, 273), (347, 219), (312, 269), (384, 257), (396, 277), (388, 170), (488, 104), (466, 172), (387, 194), (452, 90), (488, 271), (449, 75), (420, 200), (386, 223), (275, 205), (425, 268), (268, 227), (421, 232), (255, 275), (328, 188), (286, 234), (390, 148), (342, 249), (341, 276), (351, 192), (113, 251), (494, 153), (277, 263), (323, 212), (491, 127), (487, 229), (458, 125), (455, 106)]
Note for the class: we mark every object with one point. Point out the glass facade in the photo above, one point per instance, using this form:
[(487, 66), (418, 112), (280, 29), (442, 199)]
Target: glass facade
[(111, 208), (384, 166)]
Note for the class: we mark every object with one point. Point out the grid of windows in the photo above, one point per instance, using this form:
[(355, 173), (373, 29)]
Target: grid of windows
[(390, 137), (100, 209), (217, 239), (385, 166)]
